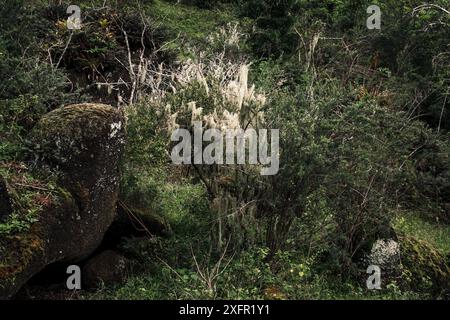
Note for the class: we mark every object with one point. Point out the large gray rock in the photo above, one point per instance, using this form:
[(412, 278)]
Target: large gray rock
[(81, 145)]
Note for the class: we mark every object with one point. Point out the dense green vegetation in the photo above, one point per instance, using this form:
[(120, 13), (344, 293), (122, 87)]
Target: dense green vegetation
[(364, 137)]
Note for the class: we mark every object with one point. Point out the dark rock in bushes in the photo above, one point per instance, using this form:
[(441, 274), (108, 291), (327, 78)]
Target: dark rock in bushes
[(108, 267), (134, 222), (82, 144), (5, 201)]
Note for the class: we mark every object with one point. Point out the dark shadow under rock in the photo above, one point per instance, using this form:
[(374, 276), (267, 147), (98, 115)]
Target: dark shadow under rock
[(108, 267), (134, 222), (5, 201)]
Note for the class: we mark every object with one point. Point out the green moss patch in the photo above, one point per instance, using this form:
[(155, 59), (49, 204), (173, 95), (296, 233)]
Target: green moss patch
[(424, 266), (29, 197)]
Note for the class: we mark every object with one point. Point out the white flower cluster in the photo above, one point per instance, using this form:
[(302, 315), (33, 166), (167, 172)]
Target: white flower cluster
[(228, 35), (239, 93), (242, 103), (236, 92)]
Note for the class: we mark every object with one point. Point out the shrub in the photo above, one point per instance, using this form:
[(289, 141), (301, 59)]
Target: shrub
[(274, 21)]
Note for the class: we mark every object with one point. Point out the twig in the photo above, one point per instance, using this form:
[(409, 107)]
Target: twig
[(31, 186), (65, 49), (442, 112)]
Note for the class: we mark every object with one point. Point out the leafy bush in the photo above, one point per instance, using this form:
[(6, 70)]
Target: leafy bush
[(35, 89), (363, 118), (274, 21)]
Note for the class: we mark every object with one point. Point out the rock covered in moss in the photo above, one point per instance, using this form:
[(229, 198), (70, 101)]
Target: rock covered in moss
[(425, 268), (82, 145)]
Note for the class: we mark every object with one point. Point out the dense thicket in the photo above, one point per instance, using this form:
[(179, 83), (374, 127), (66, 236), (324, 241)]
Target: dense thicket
[(364, 135)]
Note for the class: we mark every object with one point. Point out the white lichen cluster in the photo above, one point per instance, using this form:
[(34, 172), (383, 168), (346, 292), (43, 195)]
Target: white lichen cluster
[(385, 252), (115, 129)]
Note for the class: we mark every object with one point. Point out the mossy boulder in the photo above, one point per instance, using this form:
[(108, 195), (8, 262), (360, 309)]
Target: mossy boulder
[(80, 145), (27, 250), (425, 268)]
